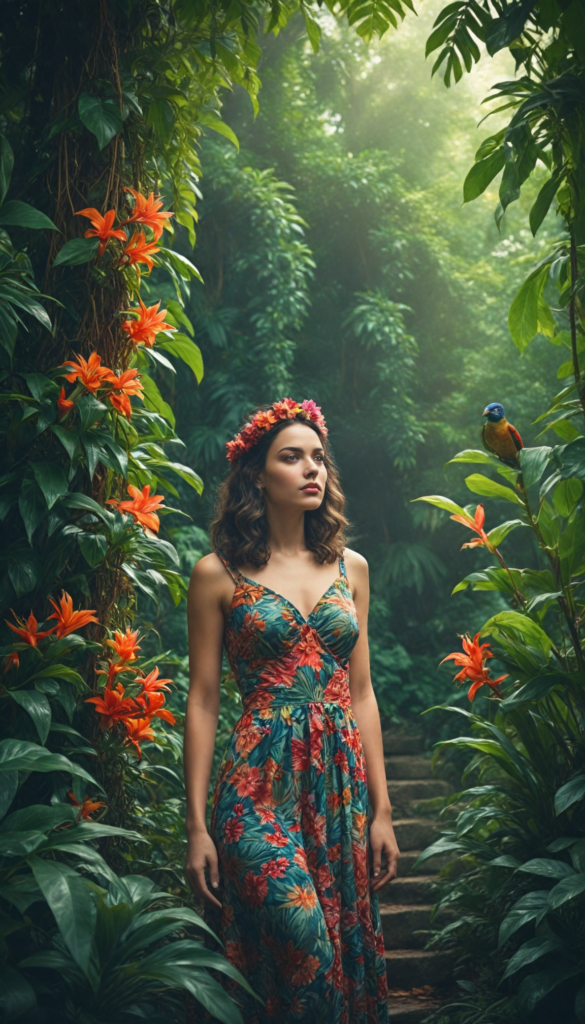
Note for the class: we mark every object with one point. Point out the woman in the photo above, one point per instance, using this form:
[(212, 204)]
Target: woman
[(289, 888)]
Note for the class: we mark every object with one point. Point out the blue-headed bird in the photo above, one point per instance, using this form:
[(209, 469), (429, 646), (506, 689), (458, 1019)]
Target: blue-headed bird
[(499, 436)]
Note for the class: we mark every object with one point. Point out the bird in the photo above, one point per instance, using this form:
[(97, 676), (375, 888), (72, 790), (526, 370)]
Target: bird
[(499, 436)]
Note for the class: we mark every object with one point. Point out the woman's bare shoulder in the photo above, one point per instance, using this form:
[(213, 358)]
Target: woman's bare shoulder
[(209, 572), (355, 563)]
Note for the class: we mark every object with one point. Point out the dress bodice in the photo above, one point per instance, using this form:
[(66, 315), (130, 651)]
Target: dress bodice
[(277, 656)]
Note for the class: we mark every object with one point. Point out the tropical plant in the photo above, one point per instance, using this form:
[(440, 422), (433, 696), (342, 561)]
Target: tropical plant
[(519, 830)]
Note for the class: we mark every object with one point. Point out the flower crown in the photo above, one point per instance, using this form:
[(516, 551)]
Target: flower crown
[(286, 409)]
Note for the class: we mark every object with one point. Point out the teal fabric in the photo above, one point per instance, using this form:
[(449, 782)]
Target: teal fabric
[(291, 818)]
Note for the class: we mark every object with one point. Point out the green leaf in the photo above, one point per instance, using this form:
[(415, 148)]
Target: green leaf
[(529, 952), (69, 897), (51, 479), (68, 438), (77, 251), (568, 889), (535, 987), (162, 117), (103, 118), (214, 121), (32, 506), (531, 906), (155, 401), (182, 347), (548, 868), (567, 496), (536, 689), (16, 995), (22, 215), (313, 30), (520, 627), (480, 484), (185, 472), (444, 503), (94, 547), (570, 793), (6, 165), (499, 533), (38, 707), (183, 267), (18, 755), (543, 201), (77, 500), (474, 455), (523, 315), (482, 173), (573, 459), (533, 462)]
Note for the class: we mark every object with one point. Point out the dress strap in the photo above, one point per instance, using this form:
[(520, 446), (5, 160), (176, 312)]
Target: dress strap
[(342, 569), (231, 568)]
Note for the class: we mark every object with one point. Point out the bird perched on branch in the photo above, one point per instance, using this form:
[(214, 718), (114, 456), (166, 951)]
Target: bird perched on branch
[(499, 436)]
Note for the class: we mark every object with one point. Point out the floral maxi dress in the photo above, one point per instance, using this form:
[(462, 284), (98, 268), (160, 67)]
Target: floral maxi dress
[(290, 818)]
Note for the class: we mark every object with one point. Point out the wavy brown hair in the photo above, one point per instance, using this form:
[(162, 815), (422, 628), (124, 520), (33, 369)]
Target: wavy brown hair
[(239, 528)]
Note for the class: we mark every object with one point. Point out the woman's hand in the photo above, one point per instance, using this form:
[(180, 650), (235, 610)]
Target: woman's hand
[(202, 854), (383, 841)]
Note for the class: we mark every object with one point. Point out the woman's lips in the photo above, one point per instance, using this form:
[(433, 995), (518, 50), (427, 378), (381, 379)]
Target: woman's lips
[(311, 489)]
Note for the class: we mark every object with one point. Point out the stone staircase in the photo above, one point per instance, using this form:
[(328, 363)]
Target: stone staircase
[(416, 977)]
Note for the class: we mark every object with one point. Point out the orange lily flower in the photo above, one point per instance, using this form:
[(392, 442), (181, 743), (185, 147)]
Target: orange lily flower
[(475, 524), (90, 372), (102, 227), (148, 324), (142, 507), (88, 807), (113, 705), (64, 405), (11, 660), (153, 706), (138, 729), (69, 621), (152, 684), (125, 644), (473, 659), (146, 211), (138, 250), (128, 383), (27, 629)]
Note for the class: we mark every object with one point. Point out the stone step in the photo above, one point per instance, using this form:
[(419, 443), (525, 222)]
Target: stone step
[(413, 968), (413, 889), (415, 833), (401, 743), (403, 791), (410, 1010), (408, 859), (408, 766), (405, 926)]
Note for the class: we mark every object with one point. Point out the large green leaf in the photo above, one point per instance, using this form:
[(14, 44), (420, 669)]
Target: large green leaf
[(533, 462), (444, 503), (542, 202), (211, 120), (154, 400), (548, 868), (69, 897), (38, 707), (16, 995), (573, 459), (568, 889), (52, 480), (181, 346), (570, 793), (529, 952), (535, 987), (523, 315), (183, 266), (480, 484), (94, 547), (6, 165), (520, 627), (32, 506), (18, 755), (482, 173), (103, 118), (76, 499), (567, 495), (536, 689), (22, 215), (77, 251), (530, 907), (39, 816), (499, 533), (474, 455)]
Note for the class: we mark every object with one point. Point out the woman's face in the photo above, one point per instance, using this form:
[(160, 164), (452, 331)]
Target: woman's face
[(295, 473)]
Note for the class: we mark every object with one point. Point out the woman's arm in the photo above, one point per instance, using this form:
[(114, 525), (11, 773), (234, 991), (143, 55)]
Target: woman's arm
[(205, 600), (367, 716)]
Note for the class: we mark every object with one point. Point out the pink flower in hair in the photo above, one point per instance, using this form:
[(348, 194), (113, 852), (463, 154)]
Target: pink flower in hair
[(285, 409)]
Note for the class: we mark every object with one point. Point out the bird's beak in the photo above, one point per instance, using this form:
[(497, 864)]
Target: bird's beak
[(485, 412)]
